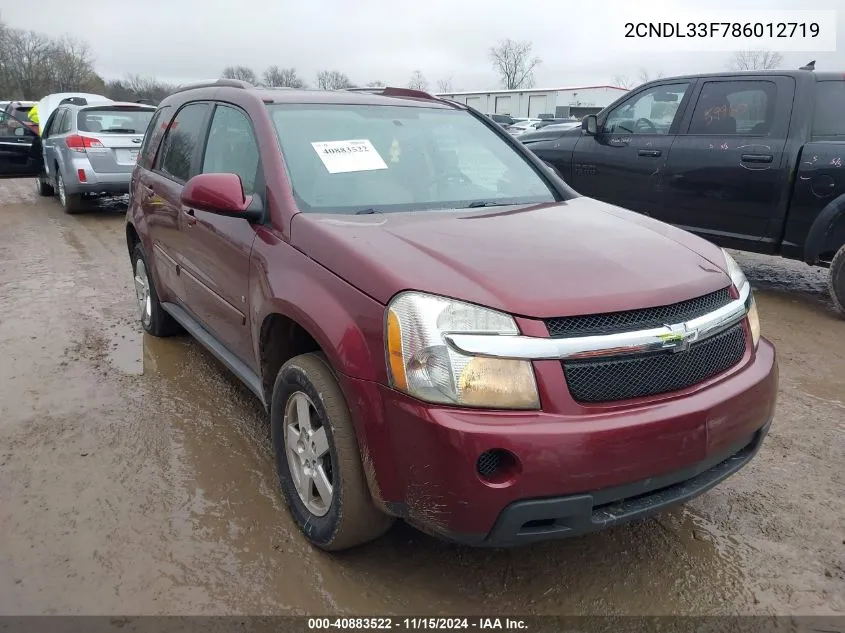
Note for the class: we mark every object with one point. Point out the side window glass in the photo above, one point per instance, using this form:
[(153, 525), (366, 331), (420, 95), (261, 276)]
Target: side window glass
[(64, 122), (650, 112), (183, 136), (152, 137), (830, 104), (734, 107), (231, 147)]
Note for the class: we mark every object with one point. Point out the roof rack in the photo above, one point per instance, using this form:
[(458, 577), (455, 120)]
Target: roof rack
[(217, 83), (408, 93)]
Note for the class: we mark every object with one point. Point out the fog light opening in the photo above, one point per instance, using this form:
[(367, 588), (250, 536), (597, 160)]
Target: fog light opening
[(498, 467)]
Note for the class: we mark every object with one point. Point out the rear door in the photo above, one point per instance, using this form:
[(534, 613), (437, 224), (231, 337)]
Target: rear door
[(54, 129), (160, 188), (727, 176), (216, 248), (20, 148), (120, 130), (624, 162)]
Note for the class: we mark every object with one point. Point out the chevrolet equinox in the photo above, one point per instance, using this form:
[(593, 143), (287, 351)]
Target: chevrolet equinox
[(439, 327)]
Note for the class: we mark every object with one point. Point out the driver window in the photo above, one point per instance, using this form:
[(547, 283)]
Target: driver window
[(650, 112)]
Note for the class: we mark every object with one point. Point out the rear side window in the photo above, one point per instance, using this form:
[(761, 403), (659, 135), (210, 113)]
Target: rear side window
[(231, 147), (114, 120), (22, 114), (180, 144), (152, 137), (829, 115), (735, 107)]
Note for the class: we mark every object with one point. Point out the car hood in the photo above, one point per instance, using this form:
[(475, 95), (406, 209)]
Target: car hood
[(580, 256)]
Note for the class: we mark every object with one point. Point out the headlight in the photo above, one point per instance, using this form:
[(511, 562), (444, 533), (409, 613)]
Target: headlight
[(739, 280), (422, 365), (734, 271), (754, 323)]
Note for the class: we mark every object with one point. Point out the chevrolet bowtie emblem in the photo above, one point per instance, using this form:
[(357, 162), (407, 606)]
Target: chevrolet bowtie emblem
[(679, 339)]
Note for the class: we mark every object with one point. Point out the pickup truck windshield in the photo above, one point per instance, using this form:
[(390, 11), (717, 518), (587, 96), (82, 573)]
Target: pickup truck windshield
[(352, 158)]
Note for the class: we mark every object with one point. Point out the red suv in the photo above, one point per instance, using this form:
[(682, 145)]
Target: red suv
[(440, 328)]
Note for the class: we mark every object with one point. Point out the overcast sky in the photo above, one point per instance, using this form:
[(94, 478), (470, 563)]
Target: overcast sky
[(188, 40)]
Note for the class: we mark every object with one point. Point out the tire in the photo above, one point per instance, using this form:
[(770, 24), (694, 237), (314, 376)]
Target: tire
[(153, 318), (836, 280), (350, 517), (43, 188), (71, 203)]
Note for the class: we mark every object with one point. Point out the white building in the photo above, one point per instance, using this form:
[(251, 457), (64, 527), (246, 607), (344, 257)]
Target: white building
[(558, 102)]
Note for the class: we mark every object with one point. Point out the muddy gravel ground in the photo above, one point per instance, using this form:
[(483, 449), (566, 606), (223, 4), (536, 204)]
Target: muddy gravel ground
[(136, 474)]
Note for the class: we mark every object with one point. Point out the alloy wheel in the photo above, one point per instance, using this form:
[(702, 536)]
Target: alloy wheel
[(308, 455), (142, 291)]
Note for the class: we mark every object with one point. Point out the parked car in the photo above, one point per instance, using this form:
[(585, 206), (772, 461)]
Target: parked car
[(502, 119), (47, 105), (440, 328), (524, 126), (91, 149), (17, 114), (753, 161), (20, 151)]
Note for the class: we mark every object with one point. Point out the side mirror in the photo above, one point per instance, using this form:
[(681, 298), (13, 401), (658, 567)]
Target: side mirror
[(219, 193), (590, 124)]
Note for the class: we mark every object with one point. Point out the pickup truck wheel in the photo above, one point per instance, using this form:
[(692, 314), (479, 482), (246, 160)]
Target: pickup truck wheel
[(154, 319), (43, 188), (836, 280), (317, 457), (70, 202)]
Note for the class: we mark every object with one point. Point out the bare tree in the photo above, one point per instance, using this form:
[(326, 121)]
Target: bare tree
[(276, 77), (71, 67), (376, 84), (644, 76), (418, 81), (333, 80), (445, 85), (514, 63), (756, 60), (622, 81), (244, 73), (26, 57)]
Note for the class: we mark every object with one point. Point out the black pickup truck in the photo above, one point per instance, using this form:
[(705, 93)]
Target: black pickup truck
[(753, 161)]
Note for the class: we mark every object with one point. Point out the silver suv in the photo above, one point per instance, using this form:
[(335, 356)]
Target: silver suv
[(91, 149)]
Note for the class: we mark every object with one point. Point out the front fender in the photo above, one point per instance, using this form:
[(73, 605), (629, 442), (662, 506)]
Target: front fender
[(346, 323), (822, 226)]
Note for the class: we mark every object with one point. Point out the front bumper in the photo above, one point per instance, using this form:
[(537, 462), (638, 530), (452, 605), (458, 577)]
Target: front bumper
[(539, 519), (638, 457)]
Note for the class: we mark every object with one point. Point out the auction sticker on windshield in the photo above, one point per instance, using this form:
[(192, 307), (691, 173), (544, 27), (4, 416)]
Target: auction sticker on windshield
[(345, 156)]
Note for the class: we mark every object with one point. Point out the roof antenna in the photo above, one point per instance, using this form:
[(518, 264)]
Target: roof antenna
[(810, 66)]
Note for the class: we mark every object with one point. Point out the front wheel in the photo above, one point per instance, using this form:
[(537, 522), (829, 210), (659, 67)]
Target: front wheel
[(317, 457), (836, 280)]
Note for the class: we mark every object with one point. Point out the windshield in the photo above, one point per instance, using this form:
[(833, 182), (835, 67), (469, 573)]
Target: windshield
[(115, 120), (348, 158)]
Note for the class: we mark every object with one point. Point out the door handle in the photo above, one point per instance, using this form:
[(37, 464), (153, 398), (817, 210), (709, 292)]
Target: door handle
[(191, 218), (757, 158), (651, 153)]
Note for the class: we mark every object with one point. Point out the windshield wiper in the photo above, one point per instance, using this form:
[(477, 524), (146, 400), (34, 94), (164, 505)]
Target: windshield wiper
[(119, 130), (477, 204), (367, 211)]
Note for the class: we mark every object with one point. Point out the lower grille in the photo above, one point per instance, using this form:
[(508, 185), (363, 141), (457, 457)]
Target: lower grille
[(625, 377)]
